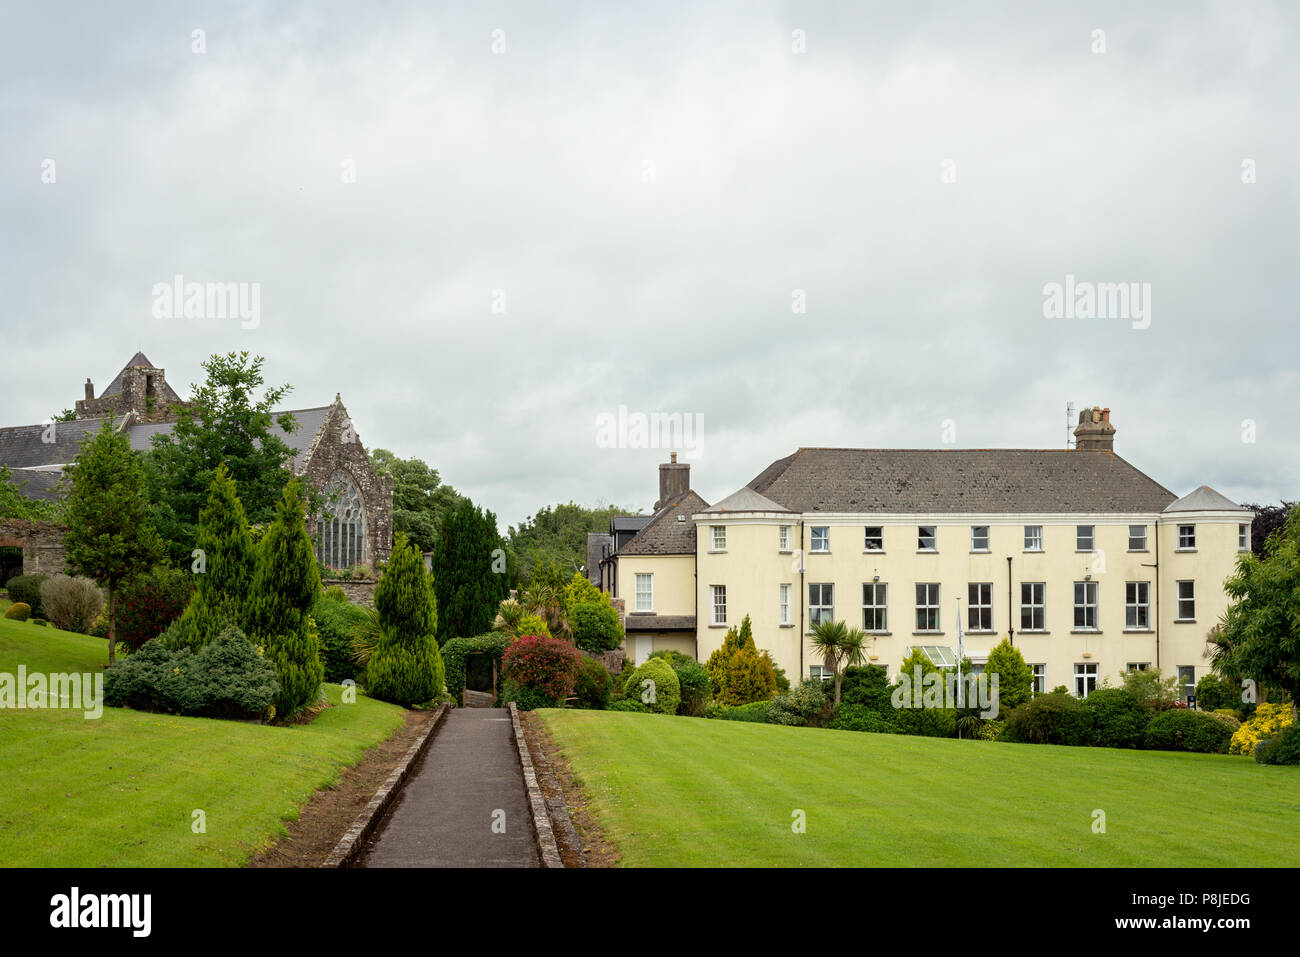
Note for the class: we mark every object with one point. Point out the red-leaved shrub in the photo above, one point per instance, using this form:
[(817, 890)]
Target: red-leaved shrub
[(148, 603), (546, 667)]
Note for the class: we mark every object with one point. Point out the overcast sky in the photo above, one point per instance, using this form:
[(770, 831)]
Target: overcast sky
[(649, 192)]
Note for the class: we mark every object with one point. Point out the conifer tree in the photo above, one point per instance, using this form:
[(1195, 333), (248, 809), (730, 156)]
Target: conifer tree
[(110, 537), (469, 571), (738, 674), (224, 567), (285, 586), (406, 667)]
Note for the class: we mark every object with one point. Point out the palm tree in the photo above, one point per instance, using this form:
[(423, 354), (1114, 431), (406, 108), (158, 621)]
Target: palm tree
[(840, 646)]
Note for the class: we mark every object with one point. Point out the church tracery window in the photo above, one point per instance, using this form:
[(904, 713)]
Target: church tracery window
[(341, 526)]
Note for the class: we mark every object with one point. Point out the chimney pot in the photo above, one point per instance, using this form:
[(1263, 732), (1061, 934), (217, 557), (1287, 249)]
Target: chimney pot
[(1095, 432)]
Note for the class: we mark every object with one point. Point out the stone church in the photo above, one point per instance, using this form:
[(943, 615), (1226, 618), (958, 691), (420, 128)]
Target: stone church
[(355, 529)]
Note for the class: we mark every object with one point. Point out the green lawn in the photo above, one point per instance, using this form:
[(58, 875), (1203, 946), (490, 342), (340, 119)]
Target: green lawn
[(681, 792), (120, 791)]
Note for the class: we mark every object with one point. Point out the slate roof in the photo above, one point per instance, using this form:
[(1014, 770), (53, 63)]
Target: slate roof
[(645, 621), (959, 480), (37, 483), (139, 359), (746, 500), (664, 534), (1205, 499), (21, 446), (596, 544)]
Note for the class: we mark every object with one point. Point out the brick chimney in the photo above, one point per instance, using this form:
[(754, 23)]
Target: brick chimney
[(674, 479), (1094, 432)]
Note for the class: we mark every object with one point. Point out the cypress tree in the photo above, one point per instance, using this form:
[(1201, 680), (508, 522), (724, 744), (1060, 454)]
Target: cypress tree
[(406, 667), (285, 586), (223, 572), (469, 572)]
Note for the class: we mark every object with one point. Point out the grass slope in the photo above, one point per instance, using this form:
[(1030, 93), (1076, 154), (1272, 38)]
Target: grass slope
[(684, 792), (120, 791)]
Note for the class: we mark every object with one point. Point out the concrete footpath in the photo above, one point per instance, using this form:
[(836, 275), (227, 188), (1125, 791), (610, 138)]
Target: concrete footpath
[(465, 805)]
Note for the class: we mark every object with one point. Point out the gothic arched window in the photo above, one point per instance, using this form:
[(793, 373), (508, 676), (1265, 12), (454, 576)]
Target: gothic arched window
[(341, 527)]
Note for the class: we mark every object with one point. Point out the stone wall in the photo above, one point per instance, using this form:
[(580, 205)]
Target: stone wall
[(41, 542), (358, 592), (338, 448)]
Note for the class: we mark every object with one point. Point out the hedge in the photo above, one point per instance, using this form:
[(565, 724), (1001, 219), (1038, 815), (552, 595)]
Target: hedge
[(27, 590), (1181, 729), (755, 711), (655, 684), (1050, 719), (1119, 718), (456, 650)]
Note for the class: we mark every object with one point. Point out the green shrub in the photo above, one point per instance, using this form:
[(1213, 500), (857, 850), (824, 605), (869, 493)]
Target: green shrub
[(530, 699), (693, 680), (1281, 749), (858, 717), (457, 650), (1015, 678), (926, 722), (1230, 720), (26, 589), (592, 688), (755, 711), (1181, 729), (336, 622), (738, 674), (627, 704), (1119, 719), (595, 626), (867, 685), (1213, 693), (804, 705), (18, 611), (336, 593), (655, 684), (42, 623), (547, 666), (227, 678), (405, 667), (71, 603), (1050, 719)]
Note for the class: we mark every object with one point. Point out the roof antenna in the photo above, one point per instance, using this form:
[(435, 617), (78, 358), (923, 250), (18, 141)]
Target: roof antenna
[(1069, 418)]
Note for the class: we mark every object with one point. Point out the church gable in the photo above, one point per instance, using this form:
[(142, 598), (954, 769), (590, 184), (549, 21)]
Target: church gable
[(355, 526)]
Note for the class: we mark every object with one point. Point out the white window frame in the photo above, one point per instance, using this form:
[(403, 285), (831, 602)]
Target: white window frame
[(1137, 606), (1140, 538), (1243, 538), (1187, 538), (1039, 672), (1089, 588), (1085, 679), (718, 602), (784, 592), (878, 537), (979, 606), (1189, 598), (928, 605), (1036, 608), (823, 609), (648, 579), (783, 538), (976, 533), (718, 538), (824, 539), (875, 607), (933, 536), (1139, 666), (1079, 538), (1033, 538)]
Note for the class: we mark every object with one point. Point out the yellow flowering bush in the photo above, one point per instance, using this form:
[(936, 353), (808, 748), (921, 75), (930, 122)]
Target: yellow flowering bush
[(1268, 721)]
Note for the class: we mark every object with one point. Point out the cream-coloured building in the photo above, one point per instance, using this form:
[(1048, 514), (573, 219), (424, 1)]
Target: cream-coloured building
[(1089, 566)]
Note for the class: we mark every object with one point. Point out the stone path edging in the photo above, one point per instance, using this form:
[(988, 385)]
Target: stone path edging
[(559, 811), (353, 841), (550, 853)]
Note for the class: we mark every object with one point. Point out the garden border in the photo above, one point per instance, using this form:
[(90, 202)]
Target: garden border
[(546, 846), (351, 844)]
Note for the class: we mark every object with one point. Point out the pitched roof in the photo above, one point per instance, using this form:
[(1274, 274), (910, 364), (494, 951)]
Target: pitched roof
[(596, 545), (1205, 499), (37, 483), (746, 500), (309, 424), (959, 480), (24, 446), (137, 360), (665, 533)]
